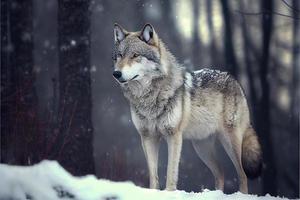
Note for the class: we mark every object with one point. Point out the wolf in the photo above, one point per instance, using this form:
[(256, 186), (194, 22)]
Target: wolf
[(169, 102)]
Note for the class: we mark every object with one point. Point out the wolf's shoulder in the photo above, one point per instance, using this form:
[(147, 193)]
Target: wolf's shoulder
[(211, 78)]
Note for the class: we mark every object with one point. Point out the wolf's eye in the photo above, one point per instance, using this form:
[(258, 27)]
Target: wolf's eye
[(119, 55), (135, 55)]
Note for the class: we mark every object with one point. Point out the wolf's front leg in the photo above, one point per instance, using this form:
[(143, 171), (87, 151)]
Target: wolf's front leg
[(151, 147), (174, 152)]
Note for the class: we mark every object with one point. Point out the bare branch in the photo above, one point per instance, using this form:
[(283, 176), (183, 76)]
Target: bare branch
[(290, 7), (265, 13)]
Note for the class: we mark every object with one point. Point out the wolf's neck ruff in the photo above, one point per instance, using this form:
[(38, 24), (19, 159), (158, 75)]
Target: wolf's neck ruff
[(151, 97)]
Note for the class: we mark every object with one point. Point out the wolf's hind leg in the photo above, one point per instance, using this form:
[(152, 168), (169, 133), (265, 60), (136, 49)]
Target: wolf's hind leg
[(233, 147), (151, 149), (206, 150)]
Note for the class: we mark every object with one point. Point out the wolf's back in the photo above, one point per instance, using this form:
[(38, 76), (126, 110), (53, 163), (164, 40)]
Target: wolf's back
[(217, 81), (210, 78)]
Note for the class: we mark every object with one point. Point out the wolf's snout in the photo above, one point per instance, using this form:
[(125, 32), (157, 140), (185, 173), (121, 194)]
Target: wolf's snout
[(117, 74)]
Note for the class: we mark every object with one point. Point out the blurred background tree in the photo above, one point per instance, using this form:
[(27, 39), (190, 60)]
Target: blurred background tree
[(74, 142), (18, 92)]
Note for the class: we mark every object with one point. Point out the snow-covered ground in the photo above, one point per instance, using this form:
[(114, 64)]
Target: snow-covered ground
[(49, 181)]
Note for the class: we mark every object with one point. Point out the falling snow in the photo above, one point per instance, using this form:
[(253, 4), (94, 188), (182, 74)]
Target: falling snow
[(73, 42)]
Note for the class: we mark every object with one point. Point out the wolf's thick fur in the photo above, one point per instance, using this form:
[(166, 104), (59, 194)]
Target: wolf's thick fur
[(167, 101)]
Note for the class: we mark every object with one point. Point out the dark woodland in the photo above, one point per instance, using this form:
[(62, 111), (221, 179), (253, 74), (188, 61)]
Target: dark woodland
[(60, 102)]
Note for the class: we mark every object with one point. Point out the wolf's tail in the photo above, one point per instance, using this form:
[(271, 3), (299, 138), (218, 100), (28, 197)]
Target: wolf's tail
[(251, 154)]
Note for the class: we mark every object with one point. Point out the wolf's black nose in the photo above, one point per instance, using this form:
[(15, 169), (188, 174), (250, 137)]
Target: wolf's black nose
[(117, 74)]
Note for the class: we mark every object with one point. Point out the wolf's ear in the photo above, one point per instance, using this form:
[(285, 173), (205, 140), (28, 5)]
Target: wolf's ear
[(119, 33), (148, 34)]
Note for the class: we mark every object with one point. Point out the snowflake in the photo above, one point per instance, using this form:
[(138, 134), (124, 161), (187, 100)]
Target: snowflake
[(93, 68), (73, 42)]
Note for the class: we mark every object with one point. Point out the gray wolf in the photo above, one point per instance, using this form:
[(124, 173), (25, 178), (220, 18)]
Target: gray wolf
[(167, 101)]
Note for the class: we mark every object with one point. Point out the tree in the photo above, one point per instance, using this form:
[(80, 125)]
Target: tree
[(247, 59), (213, 48), (264, 126), (296, 67), (295, 98), (169, 31), (75, 150), (196, 41), (229, 53), (6, 89), (18, 94)]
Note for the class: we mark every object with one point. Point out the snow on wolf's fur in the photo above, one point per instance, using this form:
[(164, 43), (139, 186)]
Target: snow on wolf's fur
[(49, 181)]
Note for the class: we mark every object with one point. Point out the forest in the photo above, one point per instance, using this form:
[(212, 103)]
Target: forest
[(60, 102)]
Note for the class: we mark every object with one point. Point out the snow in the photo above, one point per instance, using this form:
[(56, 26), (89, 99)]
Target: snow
[(49, 181)]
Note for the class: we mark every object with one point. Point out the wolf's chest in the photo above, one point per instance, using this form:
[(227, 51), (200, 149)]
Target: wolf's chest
[(162, 127), (164, 122)]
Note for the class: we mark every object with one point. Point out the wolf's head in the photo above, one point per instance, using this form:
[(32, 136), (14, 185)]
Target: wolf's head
[(137, 55)]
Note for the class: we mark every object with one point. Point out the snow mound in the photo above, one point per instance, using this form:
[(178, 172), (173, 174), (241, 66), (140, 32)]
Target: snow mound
[(49, 181)]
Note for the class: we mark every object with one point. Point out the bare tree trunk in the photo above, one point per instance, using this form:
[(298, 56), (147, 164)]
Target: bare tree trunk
[(75, 150), (213, 48), (296, 65), (140, 13), (170, 28), (295, 96), (269, 174), (247, 57), (196, 40), (18, 96), (230, 58), (5, 145)]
